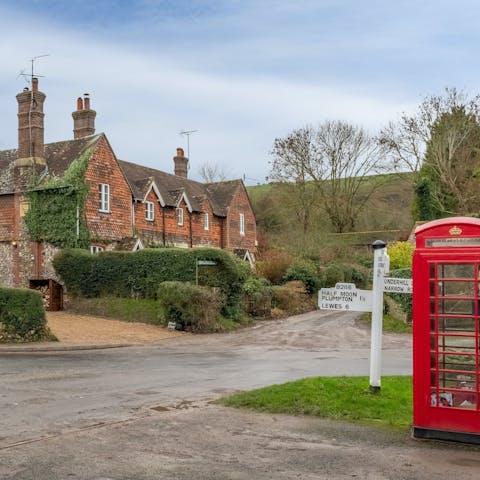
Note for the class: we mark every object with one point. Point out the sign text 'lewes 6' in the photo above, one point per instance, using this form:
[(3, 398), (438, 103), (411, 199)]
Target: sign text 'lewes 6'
[(345, 296)]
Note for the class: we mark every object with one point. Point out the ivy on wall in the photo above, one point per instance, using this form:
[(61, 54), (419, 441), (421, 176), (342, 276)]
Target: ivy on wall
[(57, 208)]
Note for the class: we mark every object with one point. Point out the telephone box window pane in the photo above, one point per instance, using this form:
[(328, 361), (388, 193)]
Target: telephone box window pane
[(456, 325), (463, 363), (456, 344), (432, 307), (456, 270), (433, 342), (465, 307), (432, 270), (433, 324), (456, 289), (432, 288)]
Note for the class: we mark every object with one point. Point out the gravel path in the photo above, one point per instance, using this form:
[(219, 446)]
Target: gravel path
[(83, 329)]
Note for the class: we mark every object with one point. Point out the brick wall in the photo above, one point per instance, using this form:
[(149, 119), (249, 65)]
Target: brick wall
[(7, 216), (103, 168), (202, 237), (150, 231), (175, 234), (240, 204)]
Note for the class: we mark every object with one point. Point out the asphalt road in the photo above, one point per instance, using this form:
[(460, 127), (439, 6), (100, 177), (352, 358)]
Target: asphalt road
[(51, 393), (146, 412)]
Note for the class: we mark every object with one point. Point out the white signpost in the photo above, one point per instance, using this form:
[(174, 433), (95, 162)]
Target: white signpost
[(346, 297)]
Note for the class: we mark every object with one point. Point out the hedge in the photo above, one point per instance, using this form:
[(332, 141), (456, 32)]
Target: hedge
[(404, 300), (138, 274), (190, 307), (22, 315)]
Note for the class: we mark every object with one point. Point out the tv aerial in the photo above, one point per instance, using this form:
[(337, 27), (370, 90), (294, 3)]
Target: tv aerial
[(187, 133), (28, 77)]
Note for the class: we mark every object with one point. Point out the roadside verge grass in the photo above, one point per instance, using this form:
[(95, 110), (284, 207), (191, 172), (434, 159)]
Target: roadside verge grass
[(339, 398)]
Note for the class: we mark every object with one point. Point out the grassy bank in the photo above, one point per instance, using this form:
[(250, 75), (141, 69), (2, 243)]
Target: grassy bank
[(340, 398)]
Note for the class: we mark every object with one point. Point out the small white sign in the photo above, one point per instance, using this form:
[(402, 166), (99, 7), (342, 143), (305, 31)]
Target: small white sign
[(383, 264), (172, 325), (397, 285), (346, 297)]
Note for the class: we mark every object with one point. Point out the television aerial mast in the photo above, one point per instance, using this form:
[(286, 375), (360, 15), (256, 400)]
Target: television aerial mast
[(187, 133)]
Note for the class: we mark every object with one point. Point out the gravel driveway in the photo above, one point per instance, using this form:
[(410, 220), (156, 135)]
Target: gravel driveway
[(82, 329)]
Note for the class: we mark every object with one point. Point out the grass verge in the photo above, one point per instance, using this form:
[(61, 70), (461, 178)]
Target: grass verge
[(390, 323), (339, 398)]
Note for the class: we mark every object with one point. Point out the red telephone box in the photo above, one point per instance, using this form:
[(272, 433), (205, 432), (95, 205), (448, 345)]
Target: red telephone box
[(446, 316)]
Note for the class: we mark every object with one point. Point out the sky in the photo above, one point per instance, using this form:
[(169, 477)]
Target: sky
[(239, 72)]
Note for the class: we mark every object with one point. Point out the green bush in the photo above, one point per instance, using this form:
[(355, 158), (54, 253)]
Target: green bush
[(305, 271), (191, 307), (291, 299), (258, 296), (332, 274), (343, 272), (403, 299), (138, 274), (22, 315), (401, 254)]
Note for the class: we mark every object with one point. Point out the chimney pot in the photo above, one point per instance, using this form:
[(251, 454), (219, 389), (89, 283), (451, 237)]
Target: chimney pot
[(35, 84), (180, 152), (83, 118)]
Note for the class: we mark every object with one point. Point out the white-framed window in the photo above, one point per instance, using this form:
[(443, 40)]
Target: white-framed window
[(104, 197), (149, 211), (206, 221), (180, 216), (95, 249), (242, 224)]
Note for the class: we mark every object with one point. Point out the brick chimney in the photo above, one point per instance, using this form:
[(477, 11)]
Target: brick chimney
[(30, 122), (181, 163), (31, 156), (83, 118)]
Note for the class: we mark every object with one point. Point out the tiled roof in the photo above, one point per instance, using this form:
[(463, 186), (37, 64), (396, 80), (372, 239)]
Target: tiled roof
[(222, 193), (60, 155), (172, 187)]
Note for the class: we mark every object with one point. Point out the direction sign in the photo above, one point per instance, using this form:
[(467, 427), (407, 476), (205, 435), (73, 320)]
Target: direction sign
[(397, 285), (345, 296), (206, 262)]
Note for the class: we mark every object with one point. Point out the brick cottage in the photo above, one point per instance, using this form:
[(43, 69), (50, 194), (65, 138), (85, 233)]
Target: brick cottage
[(127, 206)]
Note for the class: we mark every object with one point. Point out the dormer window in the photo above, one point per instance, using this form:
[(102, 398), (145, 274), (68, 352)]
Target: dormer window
[(206, 221), (242, 224), (104, 197), (149, 211), (180, 216)]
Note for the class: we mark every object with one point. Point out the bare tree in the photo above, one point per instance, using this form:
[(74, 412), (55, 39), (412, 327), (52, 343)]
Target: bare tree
[(211, 173), (292, 154), (404, 142), (336, 158)]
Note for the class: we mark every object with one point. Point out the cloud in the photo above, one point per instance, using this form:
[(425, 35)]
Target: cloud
[(240, 72)]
